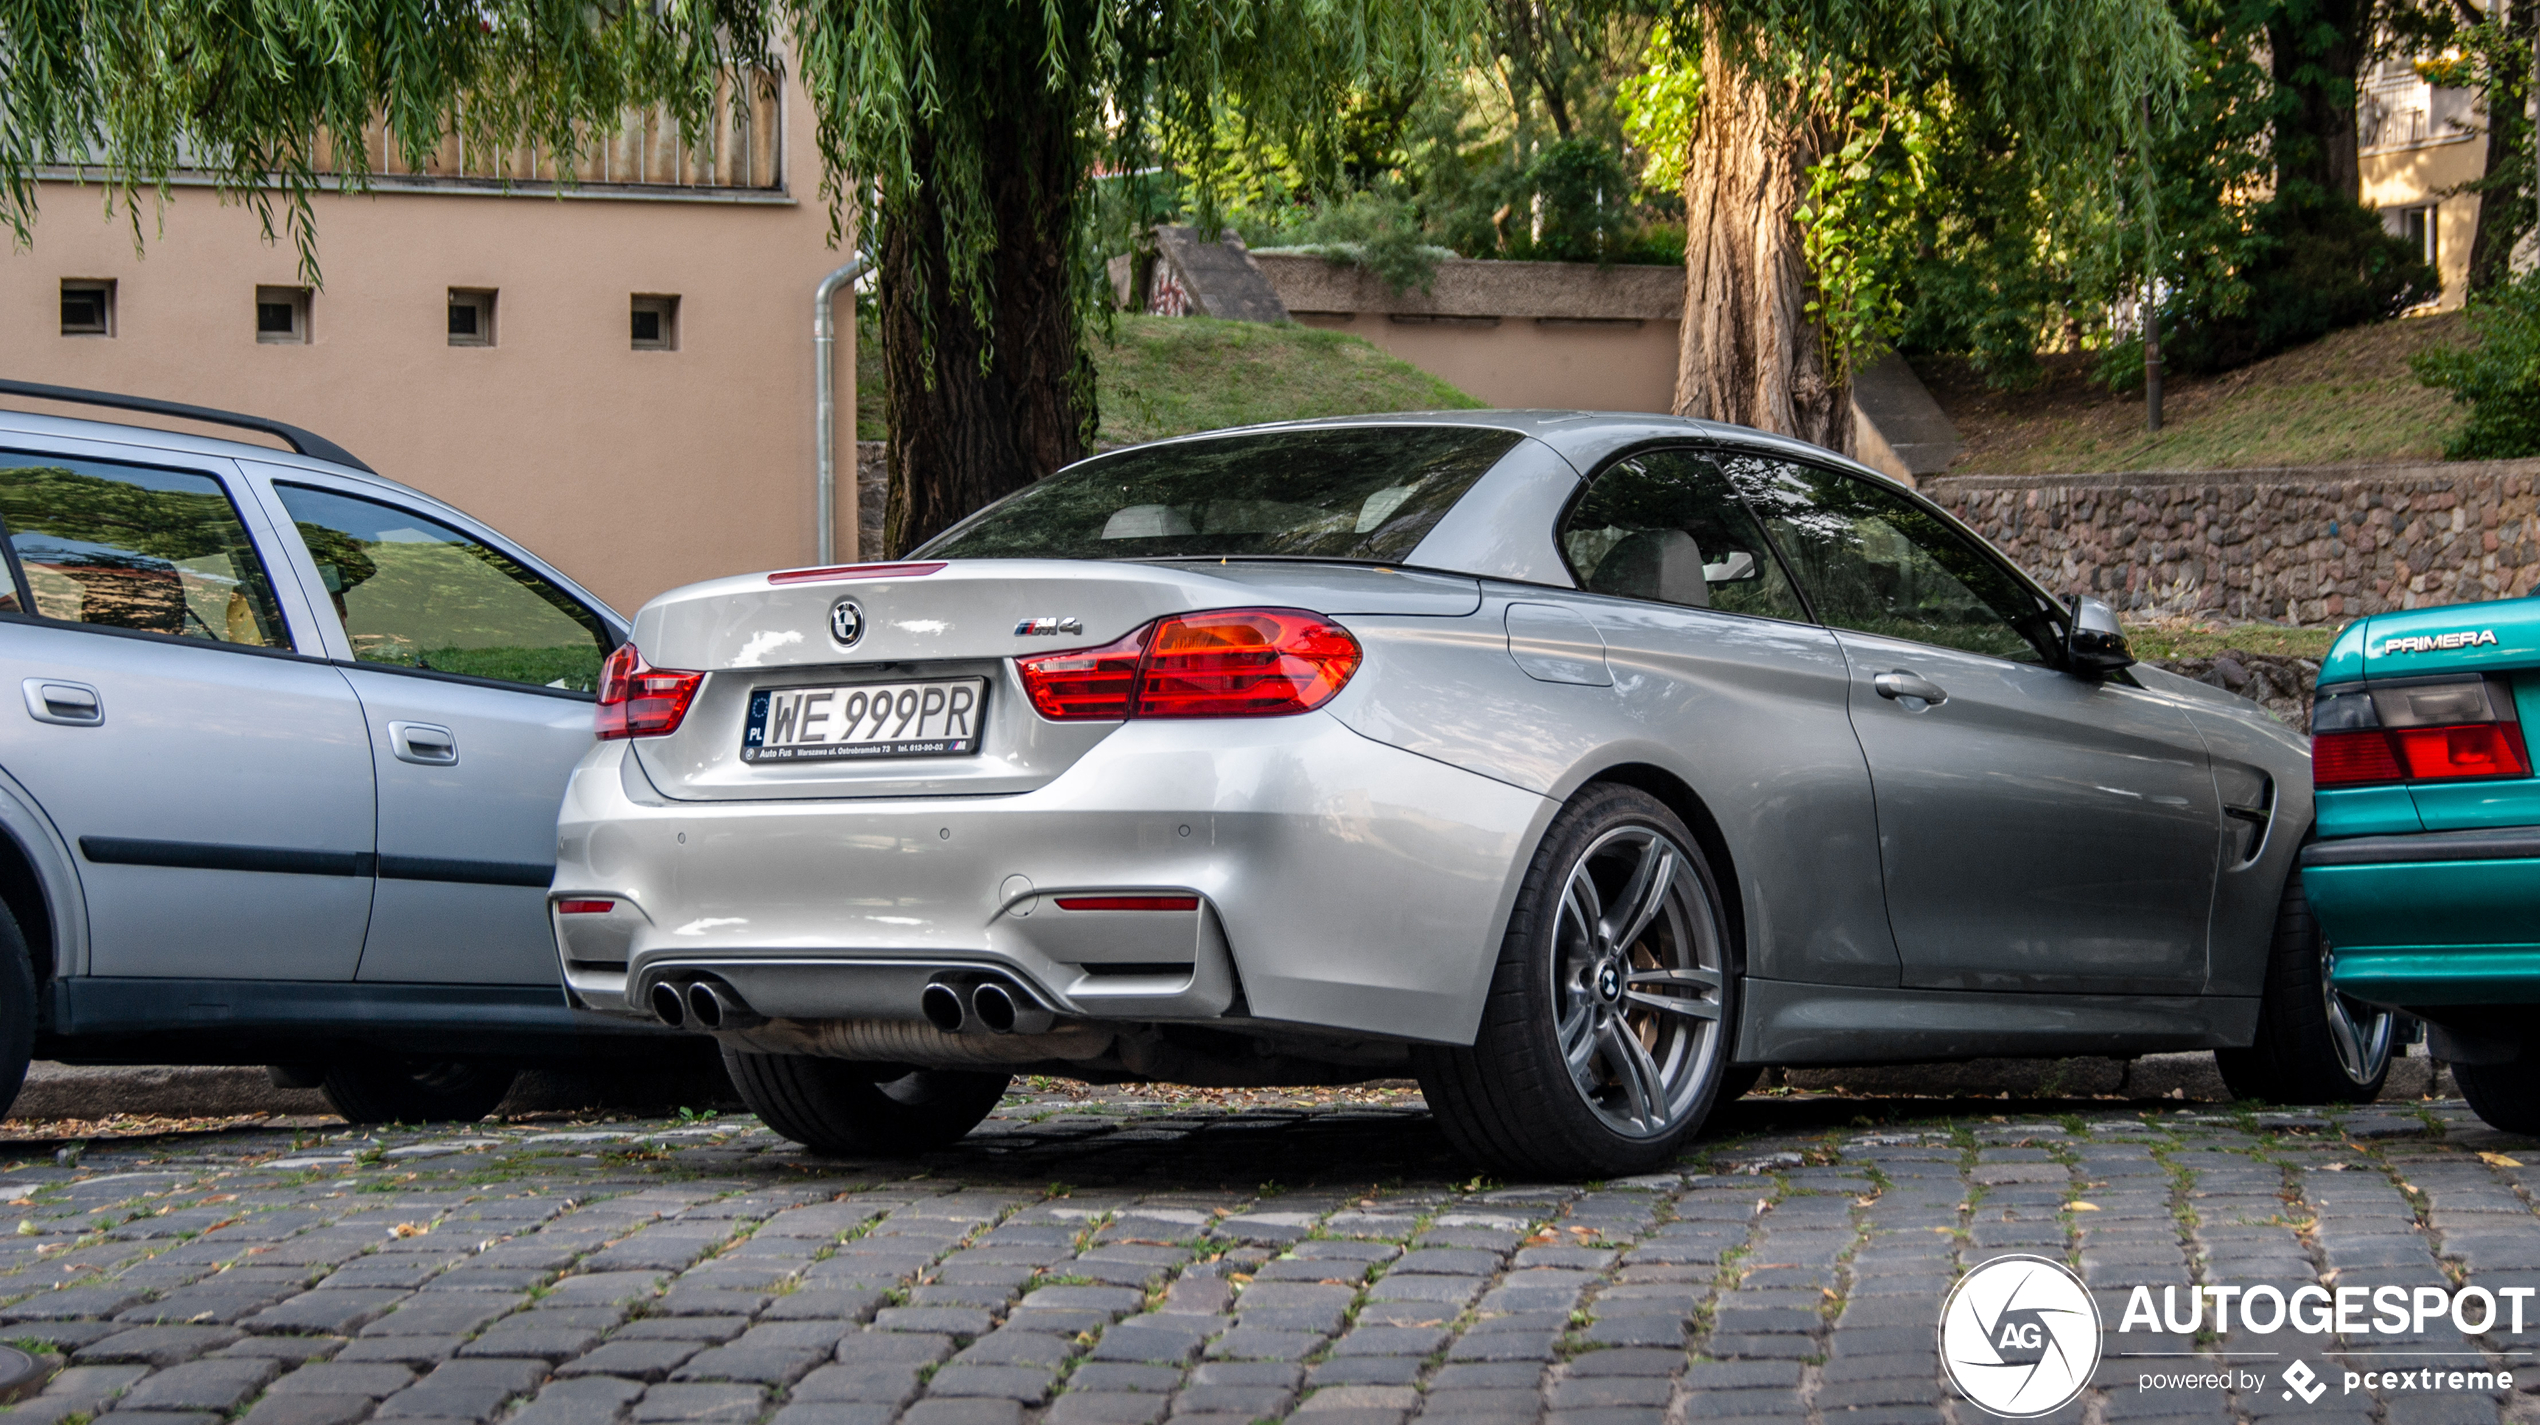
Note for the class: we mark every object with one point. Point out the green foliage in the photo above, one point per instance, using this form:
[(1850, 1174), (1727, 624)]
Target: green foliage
[(913, 96), (1855, 218), (1376, 229), (2491, 56), (2319, 267), (269, 97), (1584, 211), (2498, 378), (2008, 253)]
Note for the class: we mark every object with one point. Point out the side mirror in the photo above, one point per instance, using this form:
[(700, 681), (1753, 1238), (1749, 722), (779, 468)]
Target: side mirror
[(2096, 645)]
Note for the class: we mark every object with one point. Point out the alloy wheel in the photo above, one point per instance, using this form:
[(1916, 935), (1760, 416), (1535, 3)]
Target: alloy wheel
[(1637, 968), (2360, 1033)]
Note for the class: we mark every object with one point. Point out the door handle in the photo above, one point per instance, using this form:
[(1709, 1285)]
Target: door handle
[(69, 704), (427, 744), (1901, 684)]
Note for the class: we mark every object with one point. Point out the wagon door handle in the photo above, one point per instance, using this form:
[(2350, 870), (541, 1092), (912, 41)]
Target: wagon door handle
[(69, 704), (424, 743), (1902, 684)]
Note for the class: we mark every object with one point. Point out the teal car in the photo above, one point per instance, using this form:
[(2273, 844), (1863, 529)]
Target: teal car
[(2424, 870)]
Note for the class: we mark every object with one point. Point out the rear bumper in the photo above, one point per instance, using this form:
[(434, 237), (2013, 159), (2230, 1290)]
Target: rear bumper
[(2438, 918), (1340, 883)]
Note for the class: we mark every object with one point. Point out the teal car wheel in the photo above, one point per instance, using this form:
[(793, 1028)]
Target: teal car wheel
[(2314, 1045)]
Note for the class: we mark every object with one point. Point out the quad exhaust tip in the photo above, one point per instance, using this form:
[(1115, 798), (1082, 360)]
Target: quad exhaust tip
[(986, 1007), (668, 1007), (701, 1004), (941, 1004)]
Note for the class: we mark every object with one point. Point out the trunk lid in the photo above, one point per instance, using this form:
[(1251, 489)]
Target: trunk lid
[(935, 621), (2499, 641)]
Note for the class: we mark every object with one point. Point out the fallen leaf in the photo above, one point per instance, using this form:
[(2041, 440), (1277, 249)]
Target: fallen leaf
[(2083, 1206), (2499, 1160), (410, 1229)]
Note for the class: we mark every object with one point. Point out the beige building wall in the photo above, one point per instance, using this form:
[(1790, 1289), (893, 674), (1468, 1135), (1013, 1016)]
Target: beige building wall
[(1558, 335), (1539, 362), (2422, 175), (633, 471)]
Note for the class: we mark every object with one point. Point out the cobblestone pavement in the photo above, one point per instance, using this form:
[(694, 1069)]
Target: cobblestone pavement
[(1117, 1259)]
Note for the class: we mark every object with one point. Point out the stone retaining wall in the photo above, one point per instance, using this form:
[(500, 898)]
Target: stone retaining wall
[(2308, 545)]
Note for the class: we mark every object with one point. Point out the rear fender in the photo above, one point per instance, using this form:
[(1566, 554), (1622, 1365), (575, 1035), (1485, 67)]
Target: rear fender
[(39, 881)]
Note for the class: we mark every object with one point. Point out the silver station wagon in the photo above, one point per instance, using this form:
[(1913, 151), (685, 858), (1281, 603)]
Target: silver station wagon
[(280, 784), (1579, 765)]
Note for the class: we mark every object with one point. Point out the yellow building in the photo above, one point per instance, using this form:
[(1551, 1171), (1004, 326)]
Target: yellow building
[(620, 377), (2419, 143)]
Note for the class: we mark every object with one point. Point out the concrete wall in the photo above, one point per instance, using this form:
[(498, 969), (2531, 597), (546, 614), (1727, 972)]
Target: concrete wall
[(2310, 545), (633, 470), (1566, 336)]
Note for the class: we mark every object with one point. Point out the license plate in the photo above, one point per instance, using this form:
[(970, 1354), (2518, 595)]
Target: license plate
[(932, 719)]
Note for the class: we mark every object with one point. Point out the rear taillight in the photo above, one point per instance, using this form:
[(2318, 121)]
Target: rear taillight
[(2444, 731), (640, 700), (1223, 663), (1087, 684)]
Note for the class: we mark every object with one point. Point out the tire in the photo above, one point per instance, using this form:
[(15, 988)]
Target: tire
[(839, 1107), (2504, 1096), (2314, 1045), (1650, 1042), (17, 1009), (416, 1090)]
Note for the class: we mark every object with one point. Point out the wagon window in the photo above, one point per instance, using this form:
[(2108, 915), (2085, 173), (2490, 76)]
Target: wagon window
[(128, 546)]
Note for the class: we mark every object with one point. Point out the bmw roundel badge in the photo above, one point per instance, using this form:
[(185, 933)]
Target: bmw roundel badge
[(846, 622)]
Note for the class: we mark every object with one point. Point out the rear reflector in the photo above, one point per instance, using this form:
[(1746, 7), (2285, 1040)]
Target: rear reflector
[(1127, 902), (640, 700), (854, 571), (585, 907), (2351, 759), (1223, 663)]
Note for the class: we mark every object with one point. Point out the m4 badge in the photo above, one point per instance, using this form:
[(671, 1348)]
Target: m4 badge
[(1047, 627)]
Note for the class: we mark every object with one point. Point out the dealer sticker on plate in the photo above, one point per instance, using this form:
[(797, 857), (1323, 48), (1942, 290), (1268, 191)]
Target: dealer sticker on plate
[(931, 719)]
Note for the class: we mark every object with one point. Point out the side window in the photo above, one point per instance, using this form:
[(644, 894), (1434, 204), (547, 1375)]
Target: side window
[(127, 546), (1875, 561), (1667, 527), (415, 593)]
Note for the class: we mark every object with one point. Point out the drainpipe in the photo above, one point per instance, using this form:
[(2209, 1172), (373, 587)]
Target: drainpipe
[(824, 364)]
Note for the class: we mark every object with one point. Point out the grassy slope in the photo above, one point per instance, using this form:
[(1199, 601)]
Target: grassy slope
[(2167, 640), (1162, 376), (2347, 397)]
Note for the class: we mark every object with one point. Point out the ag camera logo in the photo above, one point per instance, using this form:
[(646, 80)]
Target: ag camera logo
[(2019, 1336)]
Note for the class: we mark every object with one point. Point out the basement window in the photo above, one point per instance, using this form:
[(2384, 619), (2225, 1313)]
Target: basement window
[(282, 316), (88, 307), (654, 322), (471, 316)]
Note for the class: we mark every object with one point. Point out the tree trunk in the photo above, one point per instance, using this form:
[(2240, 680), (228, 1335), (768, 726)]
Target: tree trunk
[(1749, 351), (2318, 49), (2504, 203), (963, 434)]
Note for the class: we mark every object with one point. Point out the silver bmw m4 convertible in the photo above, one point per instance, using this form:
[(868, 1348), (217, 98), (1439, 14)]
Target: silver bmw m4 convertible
[(1579, 765)]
